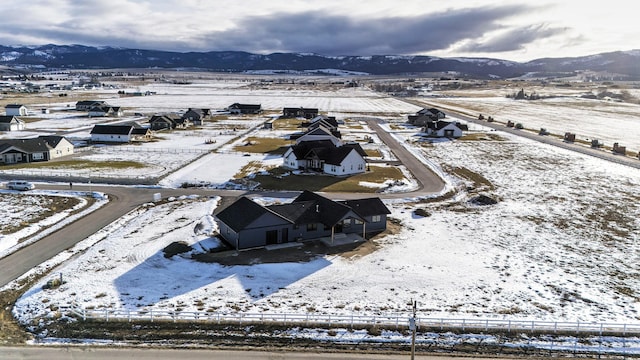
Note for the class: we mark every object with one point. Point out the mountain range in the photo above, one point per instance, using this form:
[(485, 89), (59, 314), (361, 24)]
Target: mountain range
[(620, 64)]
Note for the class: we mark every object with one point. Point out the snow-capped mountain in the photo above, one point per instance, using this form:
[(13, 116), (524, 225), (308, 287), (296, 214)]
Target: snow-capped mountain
[(623, 63)]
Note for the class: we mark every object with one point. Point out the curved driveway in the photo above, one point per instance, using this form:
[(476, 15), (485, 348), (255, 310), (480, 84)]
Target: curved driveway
[(429, 182)]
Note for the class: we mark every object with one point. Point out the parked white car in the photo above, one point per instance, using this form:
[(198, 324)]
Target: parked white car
[(20, 185)]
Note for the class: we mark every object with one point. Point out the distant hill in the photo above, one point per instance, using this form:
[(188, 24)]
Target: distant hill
[(625, 65)]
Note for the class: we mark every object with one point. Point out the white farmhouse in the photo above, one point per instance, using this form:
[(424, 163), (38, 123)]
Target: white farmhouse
[(11, 123), (324, 156), (112, 133), (443, 129)]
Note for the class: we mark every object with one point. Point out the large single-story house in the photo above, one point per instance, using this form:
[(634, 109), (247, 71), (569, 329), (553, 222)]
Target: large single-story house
[(15, 110), (42, 148), (11, 123), (86, 105), (307, 113), (122, 133), (324, 156), (246, 224), (237, 108)]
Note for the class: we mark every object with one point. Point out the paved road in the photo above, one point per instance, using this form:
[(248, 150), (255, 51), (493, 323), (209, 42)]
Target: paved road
[(99, 353), (430, 183), (122, 200)]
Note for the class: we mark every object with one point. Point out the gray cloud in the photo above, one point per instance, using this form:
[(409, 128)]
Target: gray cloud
[(341, 35), (310, 31), (513, 39)]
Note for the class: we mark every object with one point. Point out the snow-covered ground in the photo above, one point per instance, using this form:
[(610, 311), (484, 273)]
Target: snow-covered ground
[(560, 244), (27, 207), (606, 121)]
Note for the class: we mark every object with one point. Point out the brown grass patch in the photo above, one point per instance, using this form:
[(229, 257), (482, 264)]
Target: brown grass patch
[(50, 204), (479, 181), (261, 145), (483, 136), (320, 182)]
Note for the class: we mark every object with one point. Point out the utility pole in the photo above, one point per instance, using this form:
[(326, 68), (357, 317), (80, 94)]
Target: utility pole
[(412, 327)]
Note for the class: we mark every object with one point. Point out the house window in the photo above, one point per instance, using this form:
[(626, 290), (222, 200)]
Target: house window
[(376, 218), (357, 222), (346, 222), (312, 227), (38, 156), (333, 168)]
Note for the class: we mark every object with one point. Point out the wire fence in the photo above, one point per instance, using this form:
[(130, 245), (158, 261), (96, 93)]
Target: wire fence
[(138, 149), (385, 321)]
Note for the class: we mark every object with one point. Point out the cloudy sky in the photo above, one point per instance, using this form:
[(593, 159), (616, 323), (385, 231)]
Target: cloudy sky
[(515, 30)]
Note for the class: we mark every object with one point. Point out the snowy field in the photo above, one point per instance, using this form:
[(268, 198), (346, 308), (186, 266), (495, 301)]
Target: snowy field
[(606, 121), (561, 243), (173, 151), (39, 213)]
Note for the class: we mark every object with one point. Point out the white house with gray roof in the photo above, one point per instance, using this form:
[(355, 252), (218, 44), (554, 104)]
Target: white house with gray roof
[(11, 123)]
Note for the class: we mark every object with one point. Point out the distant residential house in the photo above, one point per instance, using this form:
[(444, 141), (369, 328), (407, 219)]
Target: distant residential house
[(11, 123), (166, 122), (448, 129), (42, 148), (112, 133), (86, 105), (329, 122), (196, 116), (15, 110), (307, 113), (141, 134), (319, 133), (99, 111), (426, 116), (246, 224), (433, 112), (237, 108)]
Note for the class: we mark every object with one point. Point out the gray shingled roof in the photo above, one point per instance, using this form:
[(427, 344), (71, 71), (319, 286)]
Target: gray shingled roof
[(242, 213), (26, 145), (6, 119), (367, 207), (307, 208)]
